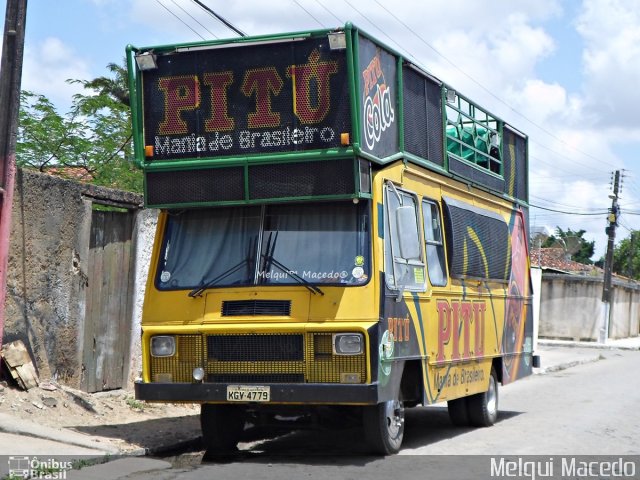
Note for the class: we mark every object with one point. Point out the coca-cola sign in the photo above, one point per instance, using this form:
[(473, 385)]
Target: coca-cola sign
[(379, 115)]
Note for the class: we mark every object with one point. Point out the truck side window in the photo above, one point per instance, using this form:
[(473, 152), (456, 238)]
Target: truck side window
[(402, 273), (434, 245)]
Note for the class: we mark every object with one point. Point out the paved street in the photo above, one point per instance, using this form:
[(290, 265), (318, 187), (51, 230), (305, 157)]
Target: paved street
[(590, 409), (585, 410)]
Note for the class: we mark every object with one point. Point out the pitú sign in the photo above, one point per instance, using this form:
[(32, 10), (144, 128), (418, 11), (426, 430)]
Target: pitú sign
[(246, 99)]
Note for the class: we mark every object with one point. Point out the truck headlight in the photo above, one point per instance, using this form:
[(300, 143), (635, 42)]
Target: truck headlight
[(348, 343), (163, 346)]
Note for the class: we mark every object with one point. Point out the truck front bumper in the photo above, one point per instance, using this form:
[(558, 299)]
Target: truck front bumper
[(313, 394)]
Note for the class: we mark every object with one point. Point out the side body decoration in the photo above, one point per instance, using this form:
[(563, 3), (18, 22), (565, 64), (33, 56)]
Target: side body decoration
[(457, 332)]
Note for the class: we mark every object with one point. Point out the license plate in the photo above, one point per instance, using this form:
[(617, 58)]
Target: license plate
[(248, 393)]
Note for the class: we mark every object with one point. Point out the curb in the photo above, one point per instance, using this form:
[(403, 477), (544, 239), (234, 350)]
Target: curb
[(101, 445), (119, 468), (14, 426), (597, 346), (565, 365), (101, 449)]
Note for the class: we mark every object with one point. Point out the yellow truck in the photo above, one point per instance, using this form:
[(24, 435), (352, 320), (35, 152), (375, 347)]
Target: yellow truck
[(337, 228)]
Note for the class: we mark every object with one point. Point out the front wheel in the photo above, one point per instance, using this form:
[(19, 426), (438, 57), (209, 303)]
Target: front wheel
[(384, 426), (483, 407), (222, 426)]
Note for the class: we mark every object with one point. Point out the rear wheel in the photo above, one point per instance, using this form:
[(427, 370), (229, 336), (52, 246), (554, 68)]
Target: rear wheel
[(384, 426), (459, 412), (222, 426), (483, 407)]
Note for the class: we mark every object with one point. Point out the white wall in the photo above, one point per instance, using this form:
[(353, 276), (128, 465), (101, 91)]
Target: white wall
[(145, 229), (571, 308)]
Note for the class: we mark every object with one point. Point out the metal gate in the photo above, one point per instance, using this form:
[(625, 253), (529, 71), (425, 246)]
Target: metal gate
[(109, 294)]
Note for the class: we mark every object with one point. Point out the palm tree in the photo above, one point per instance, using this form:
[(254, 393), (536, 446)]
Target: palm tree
[(116, 87)]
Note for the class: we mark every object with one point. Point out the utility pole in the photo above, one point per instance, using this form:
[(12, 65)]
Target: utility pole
[(612, 219), (10, 79)]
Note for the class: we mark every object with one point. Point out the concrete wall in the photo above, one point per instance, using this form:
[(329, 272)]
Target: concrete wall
[(625, 311), (46, 276), (143, 243), (571, 308)]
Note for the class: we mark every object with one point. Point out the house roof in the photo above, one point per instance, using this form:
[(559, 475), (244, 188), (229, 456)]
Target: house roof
[(79, 174), (556, 259)]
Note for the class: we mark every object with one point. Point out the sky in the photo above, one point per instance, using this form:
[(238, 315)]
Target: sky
[(563, 72)]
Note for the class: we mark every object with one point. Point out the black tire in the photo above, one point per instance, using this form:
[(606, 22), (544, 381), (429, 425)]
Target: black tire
[(483, 407), (384, 427), (222, 426), (459, 412)]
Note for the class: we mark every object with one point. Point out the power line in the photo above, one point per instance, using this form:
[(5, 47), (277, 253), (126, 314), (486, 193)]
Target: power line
[(309, 13), (628, 229), (562, 204), (330, 12), (220, 18), (179, 19), (540, 127), (604, 212), (562, 155), (193, 18), (570, 174), (400, 47)]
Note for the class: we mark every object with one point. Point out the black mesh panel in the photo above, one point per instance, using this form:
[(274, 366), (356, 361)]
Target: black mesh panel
[(434, 115), (521, 169), (190, 186), (475, 174), (422, 117), (509, 161), (306, 179), (237, 308), (515, 164), (255, 348), (415, 114), (478, 243)]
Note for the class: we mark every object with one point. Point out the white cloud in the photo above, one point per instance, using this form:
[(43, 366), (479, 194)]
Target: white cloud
[(501, 56), (48, 65), (499, 44), (610, 29), (545, 102)]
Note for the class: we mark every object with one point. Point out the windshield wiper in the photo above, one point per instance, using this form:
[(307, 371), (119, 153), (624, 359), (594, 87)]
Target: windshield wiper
[(308, 285), (269, 260), (197, 292)]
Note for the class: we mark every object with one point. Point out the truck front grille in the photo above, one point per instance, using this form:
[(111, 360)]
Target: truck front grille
[(258, 358), (242, 308), (255, 348)]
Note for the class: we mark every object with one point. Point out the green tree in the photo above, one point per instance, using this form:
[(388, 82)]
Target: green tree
[(116, 87), (94, 136), (573, 243), (626, 256)]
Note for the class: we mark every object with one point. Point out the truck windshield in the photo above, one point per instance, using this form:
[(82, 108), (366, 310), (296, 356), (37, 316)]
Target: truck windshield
[(322, 243)]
